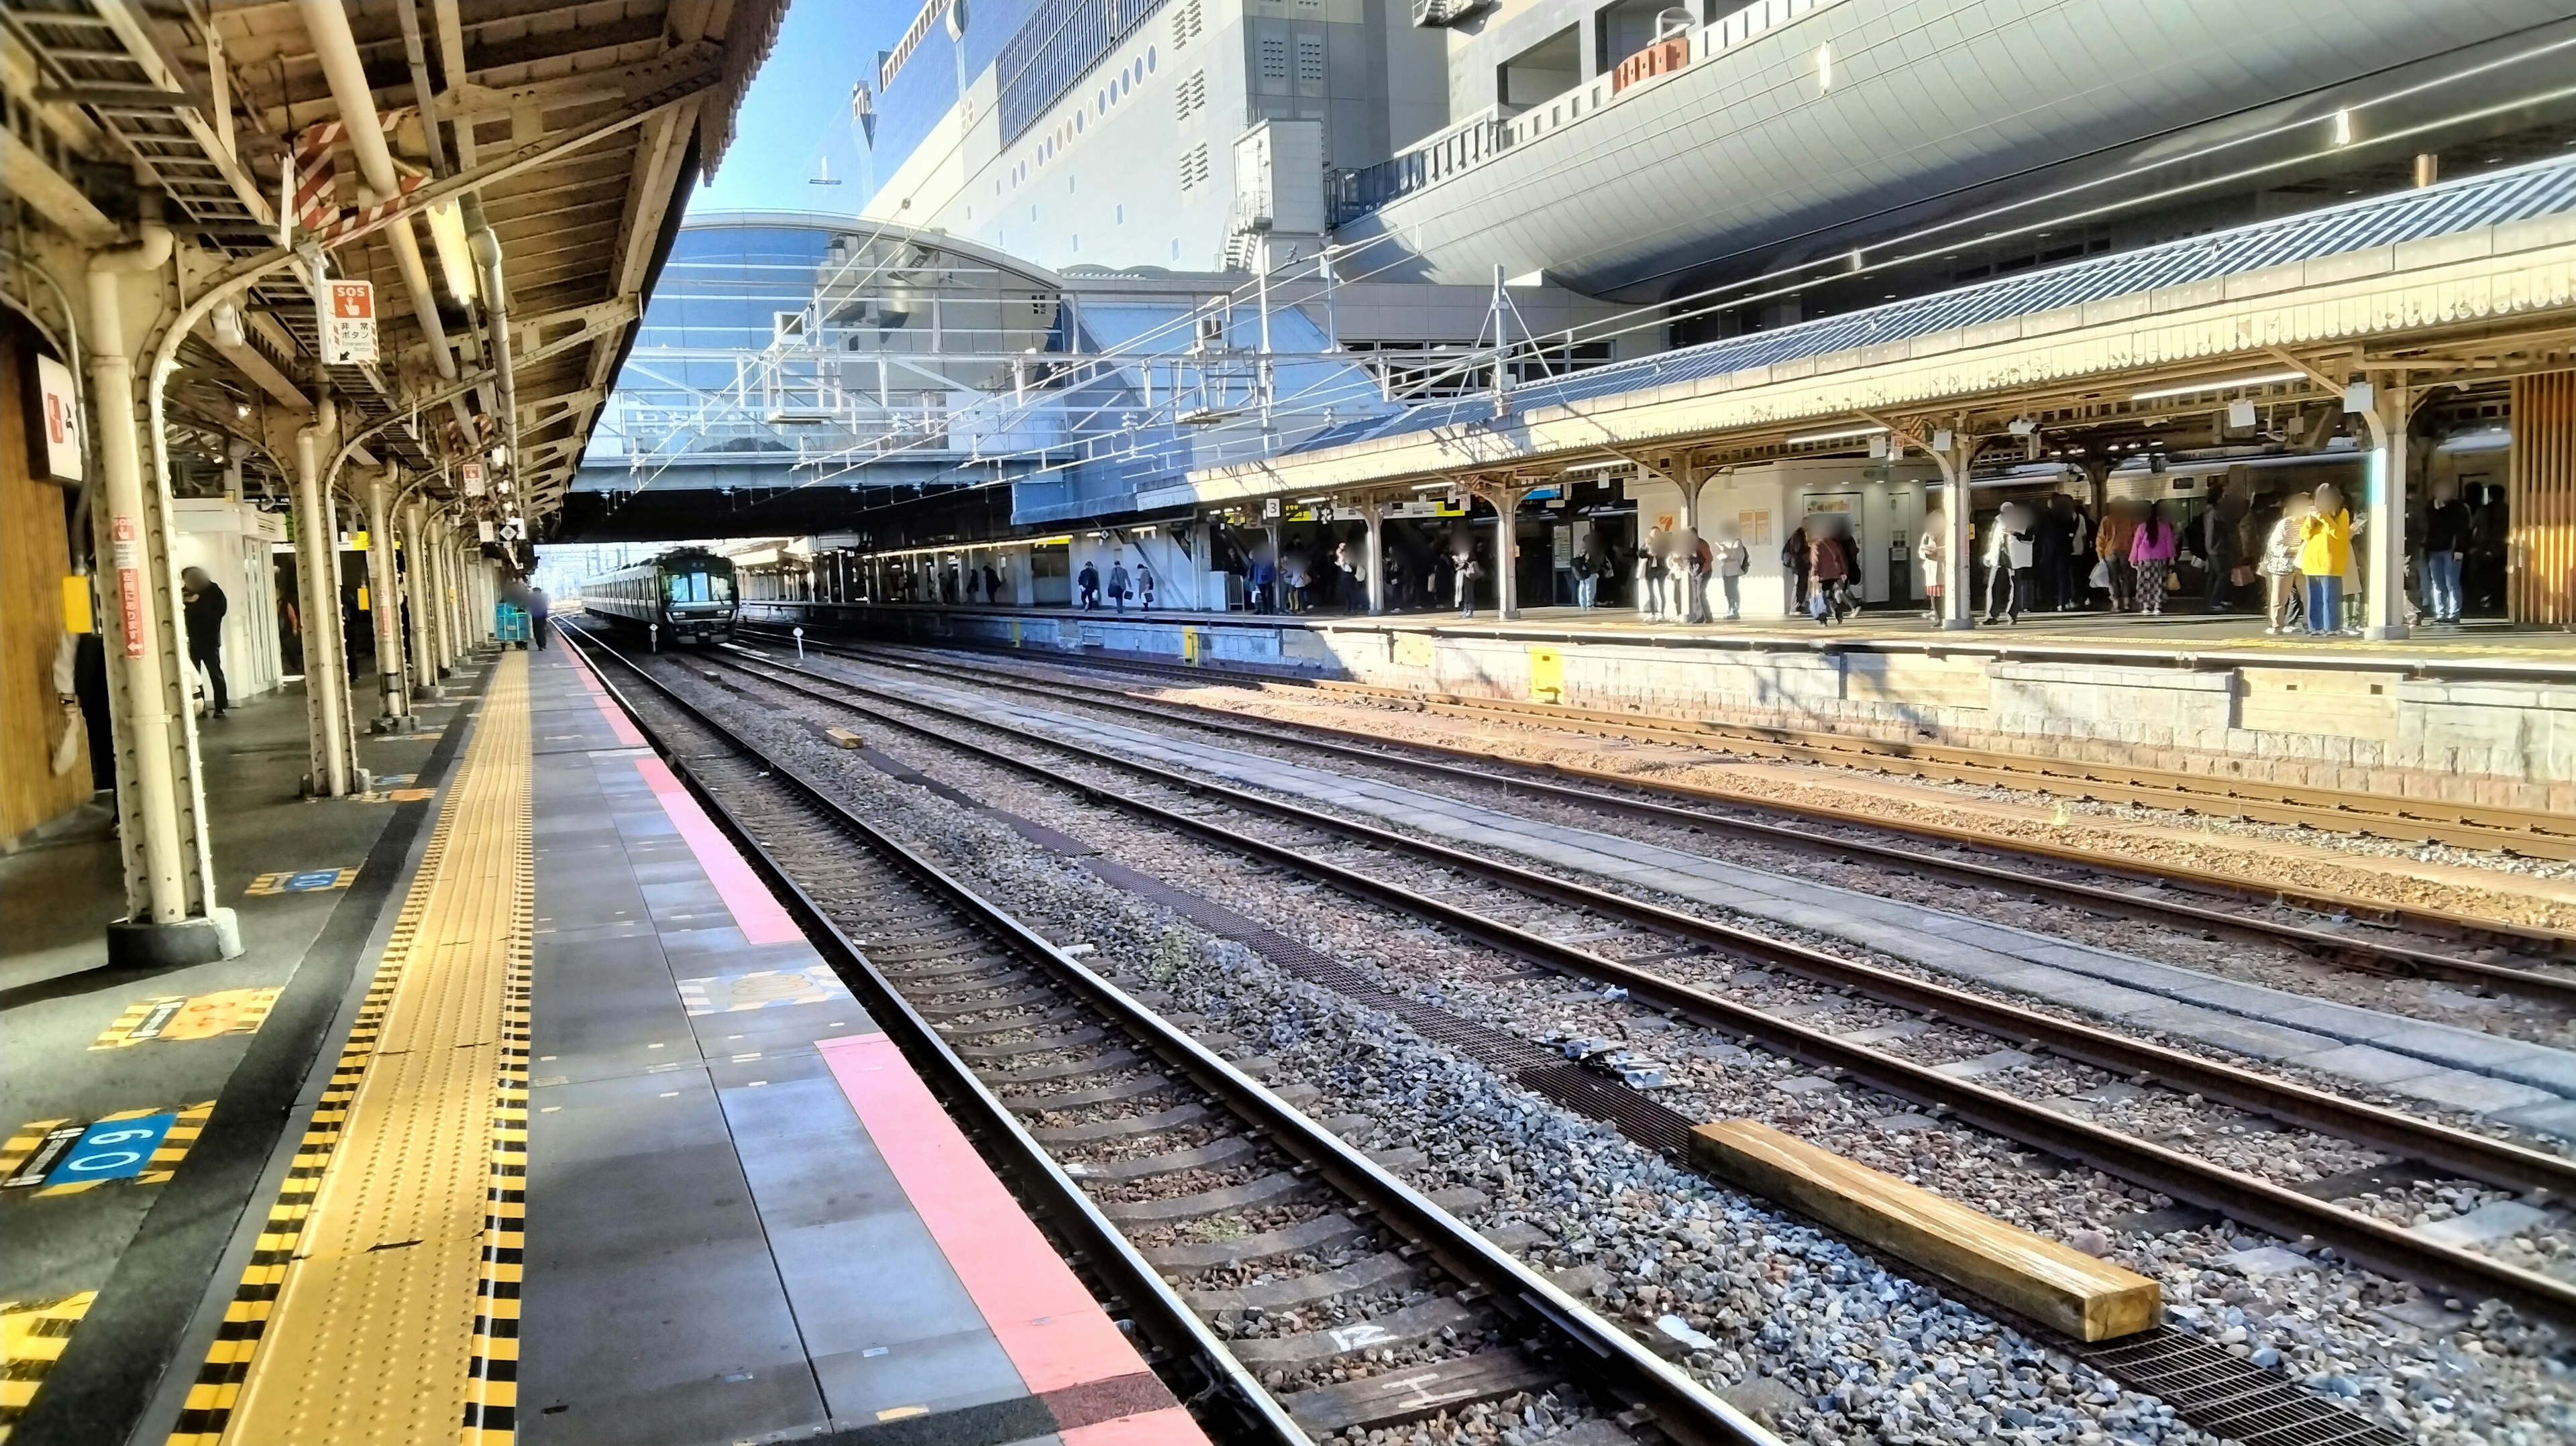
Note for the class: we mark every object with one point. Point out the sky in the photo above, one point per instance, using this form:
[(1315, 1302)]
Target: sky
[(797, 117)]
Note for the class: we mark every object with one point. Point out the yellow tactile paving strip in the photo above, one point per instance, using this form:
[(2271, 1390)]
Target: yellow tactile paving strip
[(382, 1302)]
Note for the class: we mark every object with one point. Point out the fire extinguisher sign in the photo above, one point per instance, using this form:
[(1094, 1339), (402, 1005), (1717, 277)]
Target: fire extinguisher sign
[(126, 551)]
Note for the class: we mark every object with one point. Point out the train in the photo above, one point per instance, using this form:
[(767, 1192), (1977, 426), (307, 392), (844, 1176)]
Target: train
[(686, 593)]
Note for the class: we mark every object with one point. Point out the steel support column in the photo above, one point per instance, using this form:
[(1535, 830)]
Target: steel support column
[(1373, 512), (333, 763), (2384, 583), (423, 599), (171, 918), (384, 610), (1958, 605)]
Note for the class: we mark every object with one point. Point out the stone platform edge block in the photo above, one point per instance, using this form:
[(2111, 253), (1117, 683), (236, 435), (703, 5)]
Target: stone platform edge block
[(2057, 1285)]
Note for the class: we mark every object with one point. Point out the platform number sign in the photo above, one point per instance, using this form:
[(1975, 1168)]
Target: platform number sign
[(349, 337), (112, 1150)]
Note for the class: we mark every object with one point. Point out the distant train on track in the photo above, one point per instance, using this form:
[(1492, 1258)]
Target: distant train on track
[(687, 593)]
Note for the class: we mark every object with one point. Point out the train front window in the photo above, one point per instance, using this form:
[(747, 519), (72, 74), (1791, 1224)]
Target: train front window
[(688, 587), (719, 587)]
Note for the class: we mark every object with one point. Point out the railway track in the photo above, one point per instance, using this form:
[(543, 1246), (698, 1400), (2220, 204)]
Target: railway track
[(2271, 1207), (2516, 961), (2473, 826), (1157, 1158)]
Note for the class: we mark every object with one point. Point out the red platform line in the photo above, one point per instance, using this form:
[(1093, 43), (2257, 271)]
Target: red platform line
[(619, 726), (1053, 1331), (763, 919)]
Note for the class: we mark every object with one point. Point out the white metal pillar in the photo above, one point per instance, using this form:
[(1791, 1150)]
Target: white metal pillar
[(2383, 599), (1958, 607), (384, 600), (442, 620), (171, 917), (1373, 512), (416, 591), (1507, 550), (315, 536)]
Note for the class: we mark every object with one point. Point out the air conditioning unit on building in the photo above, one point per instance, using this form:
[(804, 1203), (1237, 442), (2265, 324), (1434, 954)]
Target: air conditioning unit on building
[(1429, 13)]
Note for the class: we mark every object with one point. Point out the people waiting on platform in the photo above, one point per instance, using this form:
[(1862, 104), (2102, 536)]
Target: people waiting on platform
[(1467, 568), (2446, 540), (2325, 555), (1826, 569), (1795, 560), (2075, 583), (992, 585), (1732, 563), (1650, 575), (2052, 541), (1930, 553), (1118, 583), (2283, 605), (1087, 585), (2111, 541), (2008, 558), (205, 608), (2222, 552), (2153, 546), (1259, 577), (1144, 585)]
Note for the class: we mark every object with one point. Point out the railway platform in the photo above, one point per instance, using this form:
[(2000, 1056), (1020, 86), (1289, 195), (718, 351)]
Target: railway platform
[(547, 1121), (2472, 715)]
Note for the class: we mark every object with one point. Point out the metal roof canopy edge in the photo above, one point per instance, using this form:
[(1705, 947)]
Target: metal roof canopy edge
[(2374, 292)]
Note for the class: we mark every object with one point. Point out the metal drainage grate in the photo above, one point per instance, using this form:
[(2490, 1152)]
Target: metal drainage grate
[(2228, 1397)]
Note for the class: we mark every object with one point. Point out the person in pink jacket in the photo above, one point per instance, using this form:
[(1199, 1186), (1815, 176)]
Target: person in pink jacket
[(2151, 551)]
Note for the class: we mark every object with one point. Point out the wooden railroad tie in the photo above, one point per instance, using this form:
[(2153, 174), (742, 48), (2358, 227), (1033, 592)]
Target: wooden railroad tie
[(844, 738), (2056, 1285)]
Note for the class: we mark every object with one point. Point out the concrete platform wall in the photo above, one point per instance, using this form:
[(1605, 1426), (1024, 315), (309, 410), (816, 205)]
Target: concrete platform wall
[(2500, 742)]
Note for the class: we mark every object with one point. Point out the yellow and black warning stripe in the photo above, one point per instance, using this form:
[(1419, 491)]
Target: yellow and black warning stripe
[(22, 1146), (218, 1385), (492, 1378), (32, 1336)]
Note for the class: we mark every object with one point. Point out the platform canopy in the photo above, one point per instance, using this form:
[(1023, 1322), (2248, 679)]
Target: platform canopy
[(416, 145)]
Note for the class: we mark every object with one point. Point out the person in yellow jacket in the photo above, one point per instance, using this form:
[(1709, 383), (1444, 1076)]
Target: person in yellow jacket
[(2325, 555)]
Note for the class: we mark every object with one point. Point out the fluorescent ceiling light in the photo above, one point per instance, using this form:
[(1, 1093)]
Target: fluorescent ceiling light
[(1844, 435), (2219, 384)]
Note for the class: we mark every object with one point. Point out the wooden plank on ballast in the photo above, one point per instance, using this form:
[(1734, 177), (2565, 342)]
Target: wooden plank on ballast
[(2054, 1284)]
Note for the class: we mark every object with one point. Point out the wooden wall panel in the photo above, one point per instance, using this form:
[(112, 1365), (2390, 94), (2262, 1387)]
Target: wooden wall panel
[(32, 564), (2540, 551)]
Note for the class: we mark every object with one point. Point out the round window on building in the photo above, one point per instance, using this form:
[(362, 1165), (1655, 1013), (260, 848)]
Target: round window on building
[(1077, 122), (1149, 60)]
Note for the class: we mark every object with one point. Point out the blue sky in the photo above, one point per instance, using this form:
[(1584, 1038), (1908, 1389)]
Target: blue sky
[(797, 115)]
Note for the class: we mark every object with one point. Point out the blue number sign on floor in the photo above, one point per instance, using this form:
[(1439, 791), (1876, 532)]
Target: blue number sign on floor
[(112, 1150)]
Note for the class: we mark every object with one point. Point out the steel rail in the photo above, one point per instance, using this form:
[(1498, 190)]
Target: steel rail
[(1678, 1406), (2366, 955), (2537, 943), (2260, 1203), (2404, 821)]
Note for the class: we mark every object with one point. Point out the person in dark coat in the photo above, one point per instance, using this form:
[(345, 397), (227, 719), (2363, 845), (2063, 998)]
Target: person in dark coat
[(1088, 580), (205, 618), (1796, 559), (537, 609)]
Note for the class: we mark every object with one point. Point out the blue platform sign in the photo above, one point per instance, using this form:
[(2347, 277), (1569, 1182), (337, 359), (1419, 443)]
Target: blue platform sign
[(112, 1150)]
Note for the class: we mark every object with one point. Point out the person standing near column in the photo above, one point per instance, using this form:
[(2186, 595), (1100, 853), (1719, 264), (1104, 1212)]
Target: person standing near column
[(1934, 550), (2446, 537), (1732, 563), (2325, 554), (2111, 540), (2281, 566), (2153, 546), (206, 607)]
